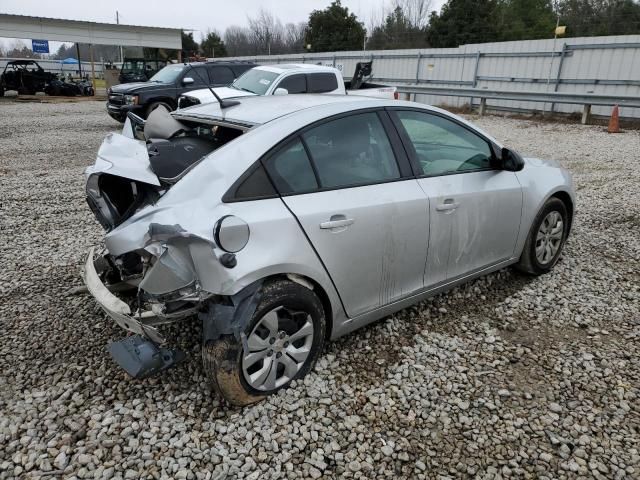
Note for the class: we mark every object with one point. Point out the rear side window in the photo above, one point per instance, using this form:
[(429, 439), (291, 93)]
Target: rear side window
[(256, 185), (322, 82), (220, 75), (294, 84), (351, 151), (291, 170)]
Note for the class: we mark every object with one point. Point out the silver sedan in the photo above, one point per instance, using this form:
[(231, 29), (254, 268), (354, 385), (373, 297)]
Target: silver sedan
[(284, 222)]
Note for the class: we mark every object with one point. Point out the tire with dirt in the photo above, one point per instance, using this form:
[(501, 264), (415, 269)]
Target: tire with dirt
[(546, 238), (285, 337)]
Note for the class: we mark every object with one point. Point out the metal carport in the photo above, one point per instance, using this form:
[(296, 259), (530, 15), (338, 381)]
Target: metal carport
[(77, 31)]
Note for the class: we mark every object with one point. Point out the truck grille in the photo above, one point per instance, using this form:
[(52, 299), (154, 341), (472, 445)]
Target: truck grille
[(116, 98)]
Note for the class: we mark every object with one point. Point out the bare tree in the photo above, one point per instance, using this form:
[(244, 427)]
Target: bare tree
[(266, 33), (294, 37), (237, 40), (415, 11)]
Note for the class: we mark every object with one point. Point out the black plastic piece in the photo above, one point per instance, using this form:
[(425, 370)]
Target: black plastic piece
[(228, 260), (224, 319), (169, 158), (141, 358)]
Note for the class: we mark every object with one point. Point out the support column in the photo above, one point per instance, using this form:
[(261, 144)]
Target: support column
[(483, 106), (586, 114)]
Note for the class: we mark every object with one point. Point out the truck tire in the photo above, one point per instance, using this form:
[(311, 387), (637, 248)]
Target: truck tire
[(285, 336)]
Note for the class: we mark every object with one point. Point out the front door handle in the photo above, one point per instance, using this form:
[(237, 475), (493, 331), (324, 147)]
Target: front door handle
[(336, 221), (447, 206)]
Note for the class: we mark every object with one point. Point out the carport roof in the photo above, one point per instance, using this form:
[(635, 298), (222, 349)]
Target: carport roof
[(43, 28)]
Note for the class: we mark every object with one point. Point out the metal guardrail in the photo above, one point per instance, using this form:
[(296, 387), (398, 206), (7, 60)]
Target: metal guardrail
[(585, 99)]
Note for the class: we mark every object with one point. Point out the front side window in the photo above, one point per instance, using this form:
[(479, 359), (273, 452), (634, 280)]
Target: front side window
[(294, 83), (291, 170), (351, 151), (442, 146), (219, 75)]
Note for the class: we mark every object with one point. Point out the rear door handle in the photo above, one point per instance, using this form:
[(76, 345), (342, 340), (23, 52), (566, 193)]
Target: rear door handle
[(448, 205), (337, 221)]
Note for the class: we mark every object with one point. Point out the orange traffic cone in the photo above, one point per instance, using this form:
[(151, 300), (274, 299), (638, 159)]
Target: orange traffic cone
[(614, 121)]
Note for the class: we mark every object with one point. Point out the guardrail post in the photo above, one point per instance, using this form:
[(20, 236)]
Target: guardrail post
[(586, 114), (559, 74), (407, 96), (475, 75), (483, 106), (418, 67)]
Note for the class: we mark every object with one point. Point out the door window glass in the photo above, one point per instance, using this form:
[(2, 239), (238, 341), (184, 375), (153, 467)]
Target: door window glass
[(322, 82), (352, 151), (220, 75), (294, 84), (291, 170), (199, 75), (442, 146)]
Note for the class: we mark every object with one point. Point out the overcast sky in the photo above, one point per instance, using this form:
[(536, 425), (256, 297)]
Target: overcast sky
[(197, 15)]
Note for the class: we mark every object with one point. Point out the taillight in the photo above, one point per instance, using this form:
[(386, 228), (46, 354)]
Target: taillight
[(396, 95)]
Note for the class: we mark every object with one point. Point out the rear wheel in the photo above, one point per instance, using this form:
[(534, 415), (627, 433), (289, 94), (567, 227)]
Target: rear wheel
[(284, 338), (546, 238)]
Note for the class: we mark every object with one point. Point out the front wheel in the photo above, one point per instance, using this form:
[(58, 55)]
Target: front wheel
[(546, 238), (284, 338)]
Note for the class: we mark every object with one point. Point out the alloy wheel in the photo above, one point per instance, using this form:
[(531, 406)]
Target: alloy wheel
[(279, 345), (549, 237)]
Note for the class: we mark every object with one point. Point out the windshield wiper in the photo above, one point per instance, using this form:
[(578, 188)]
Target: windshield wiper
[(244, 89)]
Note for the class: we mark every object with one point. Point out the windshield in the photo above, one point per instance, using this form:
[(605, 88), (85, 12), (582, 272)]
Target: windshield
[(255, 81), (168, 74), (132, 66)]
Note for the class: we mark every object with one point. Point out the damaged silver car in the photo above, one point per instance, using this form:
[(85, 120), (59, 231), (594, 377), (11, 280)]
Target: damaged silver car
[(283, 222)]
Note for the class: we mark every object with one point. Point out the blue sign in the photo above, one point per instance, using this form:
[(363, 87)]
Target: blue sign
[(40, 46)]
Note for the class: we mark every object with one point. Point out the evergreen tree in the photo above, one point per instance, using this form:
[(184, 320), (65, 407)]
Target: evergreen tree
[(334, 29)]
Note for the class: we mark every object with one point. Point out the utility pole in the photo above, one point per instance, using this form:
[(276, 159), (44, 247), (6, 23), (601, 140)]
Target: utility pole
[(118, 22)]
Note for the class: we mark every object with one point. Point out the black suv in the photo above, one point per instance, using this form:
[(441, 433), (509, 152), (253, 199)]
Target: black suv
[(168, 84)]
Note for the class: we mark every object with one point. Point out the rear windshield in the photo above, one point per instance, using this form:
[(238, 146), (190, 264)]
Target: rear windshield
[(255, 81)]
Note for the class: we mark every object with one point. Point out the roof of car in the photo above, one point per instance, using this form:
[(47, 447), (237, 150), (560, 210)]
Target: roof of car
[(282, 67), (263, 109)]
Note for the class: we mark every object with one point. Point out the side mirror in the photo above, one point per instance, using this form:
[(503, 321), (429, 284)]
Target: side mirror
[(510, 160), (187, 81), (281, 91)]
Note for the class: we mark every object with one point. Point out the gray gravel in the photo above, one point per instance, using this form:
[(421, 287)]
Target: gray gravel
[(506, 376)]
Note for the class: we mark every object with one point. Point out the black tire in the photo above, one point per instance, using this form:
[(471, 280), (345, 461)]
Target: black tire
[(1, 91), (155, 105), (529, 262), (222, 359)]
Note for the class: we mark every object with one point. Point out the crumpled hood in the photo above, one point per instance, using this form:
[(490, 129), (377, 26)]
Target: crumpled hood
[(205, 96)]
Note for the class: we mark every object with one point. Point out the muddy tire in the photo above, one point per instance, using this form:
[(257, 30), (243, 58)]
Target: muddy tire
[(285, 337), (546, 239)]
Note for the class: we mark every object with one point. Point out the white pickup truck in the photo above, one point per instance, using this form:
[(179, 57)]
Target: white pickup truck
[(283, 79)]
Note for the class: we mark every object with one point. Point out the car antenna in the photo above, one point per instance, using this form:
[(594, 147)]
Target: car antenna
[(223, 103)]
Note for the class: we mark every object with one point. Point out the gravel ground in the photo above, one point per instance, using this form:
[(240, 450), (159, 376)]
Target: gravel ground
[(507, 376)]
